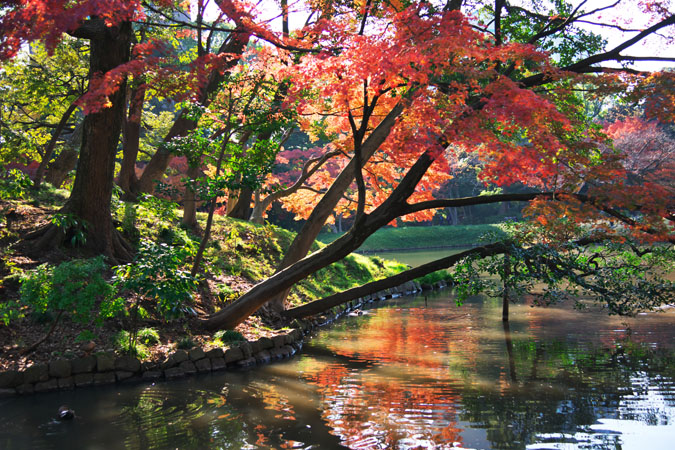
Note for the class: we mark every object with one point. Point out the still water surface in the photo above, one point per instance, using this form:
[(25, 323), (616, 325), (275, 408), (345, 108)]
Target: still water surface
[(412, 373)]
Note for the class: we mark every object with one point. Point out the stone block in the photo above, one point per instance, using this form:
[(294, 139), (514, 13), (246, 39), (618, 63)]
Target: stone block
[(127, 364), (10, 379), (255, 347), (246, 363), (151, 375), (263, 357), (25, 388), (246, 349), (279, 341), (218, 364), (104, 378), (188, 367), (265, 343), (35, 373), (60, 368), (289, 349), (7, 392), (215, 353), (66, 383), (46, 386), (233, 354), (203, 365), (196, 354), (105, 362), (288, 337), (83, 379), (180, 355), (122, 375), (149, 365), (83, 365), (173, 373)]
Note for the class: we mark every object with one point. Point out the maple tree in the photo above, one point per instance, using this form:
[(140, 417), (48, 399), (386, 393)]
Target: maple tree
[(400, 89), (415, 86)]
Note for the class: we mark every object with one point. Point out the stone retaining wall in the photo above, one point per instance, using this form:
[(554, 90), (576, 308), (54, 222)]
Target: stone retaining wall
[(109, 368)]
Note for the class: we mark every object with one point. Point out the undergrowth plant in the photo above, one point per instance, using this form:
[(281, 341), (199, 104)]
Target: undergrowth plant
[(73, 288)]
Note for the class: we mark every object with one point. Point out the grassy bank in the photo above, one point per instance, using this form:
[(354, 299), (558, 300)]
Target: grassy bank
[(401, 238), (157, 299)]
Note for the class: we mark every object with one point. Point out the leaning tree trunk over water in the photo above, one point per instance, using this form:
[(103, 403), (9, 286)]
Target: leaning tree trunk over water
[(90, 198), (324, 304), (310, 230)]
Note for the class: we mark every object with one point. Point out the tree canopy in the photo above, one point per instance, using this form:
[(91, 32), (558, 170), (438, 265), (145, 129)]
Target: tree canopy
[(399, 94)]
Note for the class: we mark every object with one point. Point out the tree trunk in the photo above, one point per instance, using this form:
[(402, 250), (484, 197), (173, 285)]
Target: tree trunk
[(324, 304), (189, 200), (90, 197), (58, 170), (37, 181), (92, 189), (131, 140), (242, 209), (282, 281), (310, 230)]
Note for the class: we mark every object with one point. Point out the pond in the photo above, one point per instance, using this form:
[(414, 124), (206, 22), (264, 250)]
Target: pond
[(411, 373)]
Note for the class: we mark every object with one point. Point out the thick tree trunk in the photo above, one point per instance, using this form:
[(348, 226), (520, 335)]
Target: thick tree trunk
[(92, 189), (283, 280), (59, 169), (90, 197), (131, 140)]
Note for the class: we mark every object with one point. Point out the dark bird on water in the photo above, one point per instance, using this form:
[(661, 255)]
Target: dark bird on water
[(66, 413)]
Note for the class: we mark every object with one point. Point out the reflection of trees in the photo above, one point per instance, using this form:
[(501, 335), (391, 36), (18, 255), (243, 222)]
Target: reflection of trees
[(388, 385), (561, 389)]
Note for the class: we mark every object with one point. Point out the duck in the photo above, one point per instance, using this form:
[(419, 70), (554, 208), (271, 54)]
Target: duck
[(65, 413)]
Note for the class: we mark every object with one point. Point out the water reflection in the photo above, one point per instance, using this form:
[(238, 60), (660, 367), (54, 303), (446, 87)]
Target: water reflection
[(407, 375)]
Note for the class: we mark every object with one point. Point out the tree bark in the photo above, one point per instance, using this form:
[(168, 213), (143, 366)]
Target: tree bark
[(189, 200), (324, 304), (131, 140), (49, 150), (242, 209), (91, 195), (310, 230)]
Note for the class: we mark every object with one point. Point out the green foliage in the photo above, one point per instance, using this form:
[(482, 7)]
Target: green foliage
[(229, 336), (623, 277), (72, 225), (424, 237), (162, 208), (148, 336), (9, 311), (157, 274), (85, 336), (435, 277), (72, 287), (126, 342), (185, 343), (14, 185)]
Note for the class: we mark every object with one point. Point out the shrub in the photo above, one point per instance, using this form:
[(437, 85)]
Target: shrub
[(157, 274), (148, 336), (72, 287), (229, 336)]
